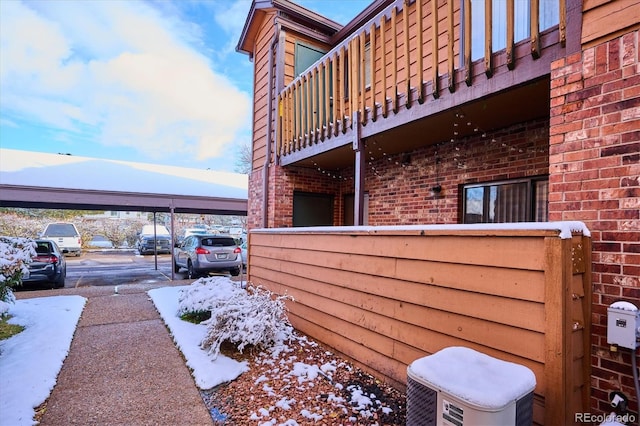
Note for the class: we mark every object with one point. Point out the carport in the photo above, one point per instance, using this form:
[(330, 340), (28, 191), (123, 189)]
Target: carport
[(55, 181)]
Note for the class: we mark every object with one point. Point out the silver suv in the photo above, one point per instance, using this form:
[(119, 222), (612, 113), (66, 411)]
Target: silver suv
[(66, 235), (201, 254)]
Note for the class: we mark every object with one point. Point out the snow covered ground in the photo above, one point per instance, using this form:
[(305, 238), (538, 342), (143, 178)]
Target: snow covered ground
[(31, 360)]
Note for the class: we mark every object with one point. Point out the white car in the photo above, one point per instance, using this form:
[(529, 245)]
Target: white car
[(64, 234), (243, 253), (100, 241)]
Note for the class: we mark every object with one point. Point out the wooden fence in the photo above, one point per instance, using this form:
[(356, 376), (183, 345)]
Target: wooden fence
[(385, 297)]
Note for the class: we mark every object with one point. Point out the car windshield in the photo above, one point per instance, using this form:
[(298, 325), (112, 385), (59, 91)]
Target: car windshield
[(60, 230)]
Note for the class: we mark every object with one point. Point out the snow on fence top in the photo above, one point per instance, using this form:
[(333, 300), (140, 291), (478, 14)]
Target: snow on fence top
[(566, 228), (487, 383)]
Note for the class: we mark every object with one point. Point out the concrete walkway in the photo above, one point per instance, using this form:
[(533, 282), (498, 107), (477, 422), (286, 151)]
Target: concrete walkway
[(123, 367)]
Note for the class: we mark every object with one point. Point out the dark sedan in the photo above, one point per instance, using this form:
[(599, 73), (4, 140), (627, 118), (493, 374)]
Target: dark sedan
[(48, 266)]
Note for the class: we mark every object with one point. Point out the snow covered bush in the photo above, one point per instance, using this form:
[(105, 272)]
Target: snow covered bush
[(254, 316), (15, 254), (206, 294)]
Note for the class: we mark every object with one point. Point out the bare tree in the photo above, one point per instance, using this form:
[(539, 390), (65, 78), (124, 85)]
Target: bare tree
[(243, 160)]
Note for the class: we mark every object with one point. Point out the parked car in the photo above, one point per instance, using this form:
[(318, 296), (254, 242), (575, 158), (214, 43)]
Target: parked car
[(191, 231), (243, 253), (201, 254), (48, 266), (65, 235), (146, 243), (100, 241)]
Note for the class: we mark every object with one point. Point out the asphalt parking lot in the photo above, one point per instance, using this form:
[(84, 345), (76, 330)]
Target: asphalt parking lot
[(114, 268)]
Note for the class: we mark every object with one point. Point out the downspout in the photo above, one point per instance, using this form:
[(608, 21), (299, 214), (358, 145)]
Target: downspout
[(270, 140)]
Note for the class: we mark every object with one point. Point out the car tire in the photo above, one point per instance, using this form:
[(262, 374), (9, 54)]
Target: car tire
[(59, 283), (191, 272), (235, 272), (176, 267)]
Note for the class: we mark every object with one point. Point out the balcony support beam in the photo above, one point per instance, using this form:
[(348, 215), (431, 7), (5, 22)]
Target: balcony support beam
[(450, 56), (359, 175)]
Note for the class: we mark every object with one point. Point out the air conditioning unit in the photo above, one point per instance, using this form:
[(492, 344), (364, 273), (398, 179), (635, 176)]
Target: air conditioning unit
[(459, 386)]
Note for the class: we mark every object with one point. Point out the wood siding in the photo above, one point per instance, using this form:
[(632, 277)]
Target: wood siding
[(261, 83), (385, 298), (606, 19)]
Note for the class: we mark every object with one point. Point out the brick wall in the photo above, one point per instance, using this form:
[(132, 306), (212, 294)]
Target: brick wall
[(401, 194), (594, 177), (254, 200)]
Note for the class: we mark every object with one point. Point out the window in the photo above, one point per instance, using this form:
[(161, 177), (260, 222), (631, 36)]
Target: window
[(549, 16), (305, 56), (310, 209), (522, 200)]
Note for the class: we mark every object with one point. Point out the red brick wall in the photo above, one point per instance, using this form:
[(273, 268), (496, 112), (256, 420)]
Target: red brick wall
[(254, 207), (401, 194), (284, 181), (594, 177)]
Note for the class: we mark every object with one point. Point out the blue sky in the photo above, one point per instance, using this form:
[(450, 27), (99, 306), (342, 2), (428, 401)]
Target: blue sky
[(145, 81)]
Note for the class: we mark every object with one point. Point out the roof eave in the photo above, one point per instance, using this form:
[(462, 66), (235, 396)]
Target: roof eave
[(296, 12), (363, 17)]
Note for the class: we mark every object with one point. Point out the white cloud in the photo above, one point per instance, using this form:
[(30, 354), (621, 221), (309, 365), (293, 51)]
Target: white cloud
[(120, 70)]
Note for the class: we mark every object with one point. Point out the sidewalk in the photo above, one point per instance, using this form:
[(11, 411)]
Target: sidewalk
[(123, 368)]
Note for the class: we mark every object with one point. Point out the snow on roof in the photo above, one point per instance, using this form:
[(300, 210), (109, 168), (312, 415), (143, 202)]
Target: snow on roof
[(487, 383), (25, 168), (564, 227)]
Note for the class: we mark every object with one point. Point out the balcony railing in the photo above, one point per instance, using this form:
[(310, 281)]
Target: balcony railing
[(401, 58)]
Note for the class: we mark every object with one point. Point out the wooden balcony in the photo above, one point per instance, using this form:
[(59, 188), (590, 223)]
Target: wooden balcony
[(408, 68)]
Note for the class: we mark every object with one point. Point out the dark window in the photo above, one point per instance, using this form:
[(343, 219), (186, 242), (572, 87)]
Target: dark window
[(218, 242), (521, 200), (310, 209), (43, 248), (305, 56)]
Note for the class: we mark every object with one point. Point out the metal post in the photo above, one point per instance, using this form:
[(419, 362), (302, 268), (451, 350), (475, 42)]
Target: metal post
[(155, 242), (172, 211), (358, 147)]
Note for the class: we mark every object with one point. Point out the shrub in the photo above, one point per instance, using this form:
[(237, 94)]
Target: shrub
[(196, 317), (15, 254), (257, 318), (251, 317)]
